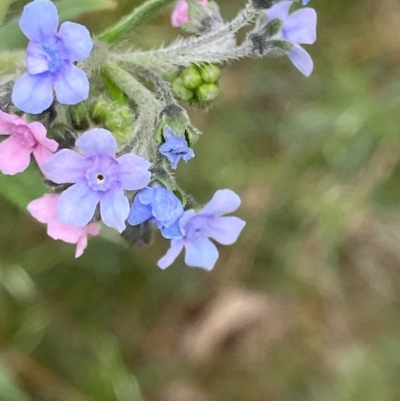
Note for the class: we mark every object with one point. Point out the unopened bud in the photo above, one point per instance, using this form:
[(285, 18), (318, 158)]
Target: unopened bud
[(207, 93), (181, 90), (191, 77), (210, 73)]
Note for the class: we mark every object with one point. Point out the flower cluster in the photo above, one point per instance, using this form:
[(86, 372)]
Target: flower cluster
[(107, 146)]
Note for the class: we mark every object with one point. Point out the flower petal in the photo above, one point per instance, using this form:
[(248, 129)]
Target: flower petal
[(33, 93), (224, 201), (71, 85), (44, 209), (39, 132), (77, 40), (301, 27), (279, 10), (41, 154), (7, 122), (14, 158), (225, 230), (77, 205), (81, 245), (172, 254), (134, 171), (187, 215), (114, 209), (202, 253), (301, 60), (173, 231), (65, 166), (37, 60), (139, 212), (39, 20), (180, 15), (97, 142)]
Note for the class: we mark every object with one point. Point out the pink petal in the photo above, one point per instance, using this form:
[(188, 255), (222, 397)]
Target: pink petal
[(41, 154), (180, 14), (39, 132), (81, 245), (44, 209), (7, 121), (14, 158)]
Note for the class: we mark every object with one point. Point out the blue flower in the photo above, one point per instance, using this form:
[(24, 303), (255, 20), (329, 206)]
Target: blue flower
[(298, 28), (305, 2), (175, 148), (161, 207), (50, 60), (97, 177), (197, 228)]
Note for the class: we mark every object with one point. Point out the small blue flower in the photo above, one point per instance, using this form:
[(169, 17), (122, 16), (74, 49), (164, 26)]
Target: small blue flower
[(97, 177), (305, 2), (50, 59), (298, 28), (161, 207), (175, 148), (197, 228)]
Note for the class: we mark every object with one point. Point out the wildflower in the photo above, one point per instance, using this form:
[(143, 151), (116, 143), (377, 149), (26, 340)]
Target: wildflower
[(175, 148), (298, 28), (197, 228), (98, 177), (180, 15), (44, 210), (24, 139), (50, 59), (160, 206)]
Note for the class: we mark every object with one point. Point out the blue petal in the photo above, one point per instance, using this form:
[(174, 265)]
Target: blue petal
[(172, 254), (224, 201), (33, 93), (173, 231), (146, 195), (225, 230), (37, 60), (279, 10), (39, 20), (97, 142), (301, 60), (77, 40), (65, 166), (71, 85), (167, 208), (114, 209), (202, 253), (77, 205), (139, 212), (134, 172), (301, 27)]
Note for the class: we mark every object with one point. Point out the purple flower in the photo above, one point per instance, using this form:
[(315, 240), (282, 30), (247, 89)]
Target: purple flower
[(50, 60), (175, 148), (197, 228), (98, 177), (298, 28), (160, 206)]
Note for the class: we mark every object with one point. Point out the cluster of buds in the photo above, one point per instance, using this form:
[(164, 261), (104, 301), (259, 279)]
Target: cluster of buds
[(107, 145)]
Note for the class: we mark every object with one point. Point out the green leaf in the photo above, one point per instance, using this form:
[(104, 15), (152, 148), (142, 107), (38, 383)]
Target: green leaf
[(13, 38), (120, 31), (22, 188), (4, 5)]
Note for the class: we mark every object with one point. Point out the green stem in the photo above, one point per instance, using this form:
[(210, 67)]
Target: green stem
[(120, 31)]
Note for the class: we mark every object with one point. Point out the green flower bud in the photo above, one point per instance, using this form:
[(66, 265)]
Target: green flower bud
[(191, 77), (79, 114), (181, 91), (273, 27), (210, 73), (280, 44), (207, 93)]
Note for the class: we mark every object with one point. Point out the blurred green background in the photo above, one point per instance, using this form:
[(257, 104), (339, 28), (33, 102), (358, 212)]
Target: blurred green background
[(304, 307)]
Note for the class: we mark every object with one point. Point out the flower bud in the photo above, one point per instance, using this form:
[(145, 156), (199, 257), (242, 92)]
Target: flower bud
[(181, 91), (207, 93), (210, 73), (139, 235), (191, 77)]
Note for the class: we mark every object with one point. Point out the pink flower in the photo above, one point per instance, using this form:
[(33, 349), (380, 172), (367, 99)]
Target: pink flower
[(180, 15), (44, 210), (24, 139)]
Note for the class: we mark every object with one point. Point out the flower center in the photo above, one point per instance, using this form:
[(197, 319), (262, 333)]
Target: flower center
[(197, 228), (55, 50), (102, 175), (24, 136)]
